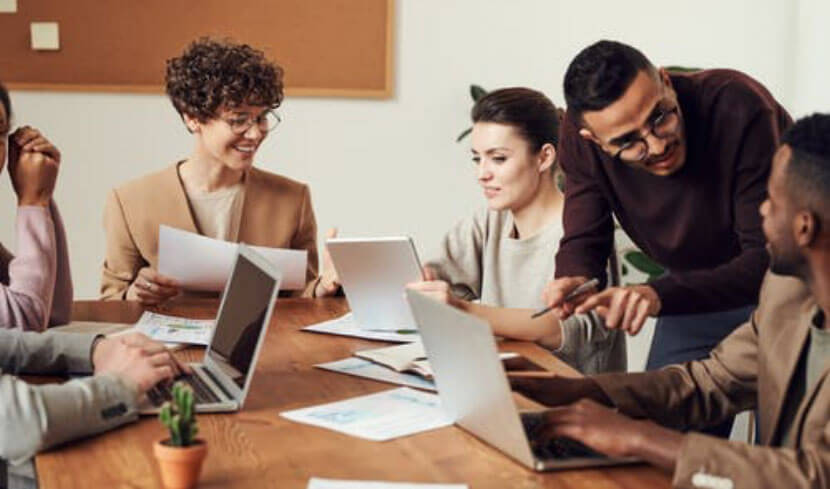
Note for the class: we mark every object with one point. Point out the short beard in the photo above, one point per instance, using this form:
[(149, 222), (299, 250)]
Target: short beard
[(790, 266)]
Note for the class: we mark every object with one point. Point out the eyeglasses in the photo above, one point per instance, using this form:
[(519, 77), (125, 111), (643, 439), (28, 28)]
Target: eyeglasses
[(663, 125), (266, 121)]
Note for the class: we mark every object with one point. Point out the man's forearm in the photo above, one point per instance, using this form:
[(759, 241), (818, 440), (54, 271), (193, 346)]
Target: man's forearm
[(657, 445)]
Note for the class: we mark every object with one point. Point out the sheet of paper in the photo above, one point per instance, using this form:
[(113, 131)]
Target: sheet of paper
[(174, 329), (398, 357), (410, 357), (364, 368), (317, 483), (378, 417), (92, 327), (202, 263), (346, 325)]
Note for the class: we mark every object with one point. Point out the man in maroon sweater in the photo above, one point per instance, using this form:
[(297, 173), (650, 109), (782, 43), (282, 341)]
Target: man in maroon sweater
[(682, 161)]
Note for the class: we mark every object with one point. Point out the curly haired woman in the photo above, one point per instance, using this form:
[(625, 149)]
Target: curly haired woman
[(226, 94)]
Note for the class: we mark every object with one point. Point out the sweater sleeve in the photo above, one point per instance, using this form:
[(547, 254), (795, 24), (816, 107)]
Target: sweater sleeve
[(26, 301), (35, 417), (62, 300), (590, 347), (459, 258), (589, 227)]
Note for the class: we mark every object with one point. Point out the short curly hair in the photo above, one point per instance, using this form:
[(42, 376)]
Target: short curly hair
[(212, 74)]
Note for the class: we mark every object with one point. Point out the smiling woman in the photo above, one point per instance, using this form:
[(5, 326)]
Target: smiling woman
[(496, 263), (226, 94)]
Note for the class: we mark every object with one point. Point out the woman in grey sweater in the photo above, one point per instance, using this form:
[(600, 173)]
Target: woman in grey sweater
[(496, 263)]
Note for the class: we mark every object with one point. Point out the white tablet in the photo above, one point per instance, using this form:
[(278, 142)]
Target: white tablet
[(374, 273)]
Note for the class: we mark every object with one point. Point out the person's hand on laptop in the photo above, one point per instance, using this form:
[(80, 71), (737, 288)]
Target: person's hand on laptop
[(329, 282), (151, 288), (136, 358), (607, 431)]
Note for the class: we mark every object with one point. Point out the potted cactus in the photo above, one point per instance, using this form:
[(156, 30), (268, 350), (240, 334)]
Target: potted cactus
[(180, 456)]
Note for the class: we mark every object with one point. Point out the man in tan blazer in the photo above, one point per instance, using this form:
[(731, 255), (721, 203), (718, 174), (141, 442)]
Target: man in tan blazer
[(777, 363)]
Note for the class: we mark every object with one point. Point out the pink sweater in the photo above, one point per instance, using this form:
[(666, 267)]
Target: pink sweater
[(36, 284)]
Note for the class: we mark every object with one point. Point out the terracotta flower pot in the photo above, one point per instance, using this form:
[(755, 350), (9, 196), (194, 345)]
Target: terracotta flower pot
[(180, 466)]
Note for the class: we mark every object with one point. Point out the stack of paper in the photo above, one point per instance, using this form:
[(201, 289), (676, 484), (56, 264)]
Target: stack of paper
[(401, 358), (369, 370), (378, 417)]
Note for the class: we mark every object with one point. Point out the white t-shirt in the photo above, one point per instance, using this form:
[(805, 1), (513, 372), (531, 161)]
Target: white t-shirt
[(218, 213)]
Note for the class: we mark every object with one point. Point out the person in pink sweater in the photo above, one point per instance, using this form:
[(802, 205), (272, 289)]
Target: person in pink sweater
[(35, 281)]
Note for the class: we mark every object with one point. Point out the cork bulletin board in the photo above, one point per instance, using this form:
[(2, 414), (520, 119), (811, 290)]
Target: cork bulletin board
[(327, 47)]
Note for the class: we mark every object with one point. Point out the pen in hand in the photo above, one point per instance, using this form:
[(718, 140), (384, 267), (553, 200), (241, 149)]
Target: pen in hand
[(574, 294)]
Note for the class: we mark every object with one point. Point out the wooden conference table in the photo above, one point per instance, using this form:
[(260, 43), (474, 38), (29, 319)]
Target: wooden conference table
[(256, 448)]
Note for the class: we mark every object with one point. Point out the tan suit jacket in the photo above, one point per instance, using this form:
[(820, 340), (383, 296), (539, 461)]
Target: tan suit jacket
[(751, 369), (276, 212)]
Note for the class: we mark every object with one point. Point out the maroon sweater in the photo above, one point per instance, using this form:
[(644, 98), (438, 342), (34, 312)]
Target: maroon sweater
[(702, 222)]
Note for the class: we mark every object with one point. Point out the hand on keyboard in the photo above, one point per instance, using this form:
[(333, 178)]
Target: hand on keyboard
[(137, 359), (202, 393), (584, 428)]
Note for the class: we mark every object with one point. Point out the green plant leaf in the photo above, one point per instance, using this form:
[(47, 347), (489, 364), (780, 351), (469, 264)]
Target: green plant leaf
[(477, 92), (179, 417), (464, 134), (640, 261)]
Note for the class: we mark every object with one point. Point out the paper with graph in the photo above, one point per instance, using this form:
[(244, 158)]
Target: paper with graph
[(378, 417)]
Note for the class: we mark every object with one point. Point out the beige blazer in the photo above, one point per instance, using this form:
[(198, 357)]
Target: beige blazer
[(276, 212), (751, 369)]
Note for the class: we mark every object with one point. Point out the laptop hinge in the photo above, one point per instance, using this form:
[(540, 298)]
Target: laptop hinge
[(216, 381)]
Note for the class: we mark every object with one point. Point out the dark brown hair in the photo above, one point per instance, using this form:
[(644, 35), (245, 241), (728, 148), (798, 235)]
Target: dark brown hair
[(808, 174), (600, 74), (529, 111), (212, 74)]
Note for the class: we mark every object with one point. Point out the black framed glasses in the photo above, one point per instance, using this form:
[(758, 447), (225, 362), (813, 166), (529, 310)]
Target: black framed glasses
[(241, 123), (664, 124)]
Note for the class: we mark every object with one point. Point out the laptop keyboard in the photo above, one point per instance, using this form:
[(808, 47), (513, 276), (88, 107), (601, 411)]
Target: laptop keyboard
[(201, 392), (554, 448)]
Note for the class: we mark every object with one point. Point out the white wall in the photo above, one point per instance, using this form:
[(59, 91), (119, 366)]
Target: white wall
[(811, 89), (383, 167)]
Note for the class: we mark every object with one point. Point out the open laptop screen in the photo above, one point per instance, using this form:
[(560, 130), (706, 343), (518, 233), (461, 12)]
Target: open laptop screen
[(244, 307)]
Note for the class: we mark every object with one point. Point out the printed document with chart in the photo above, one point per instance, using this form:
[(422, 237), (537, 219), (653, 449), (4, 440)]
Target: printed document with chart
[(378, 417)]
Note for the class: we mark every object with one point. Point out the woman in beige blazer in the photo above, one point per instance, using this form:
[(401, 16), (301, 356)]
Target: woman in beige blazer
[(226, 94)]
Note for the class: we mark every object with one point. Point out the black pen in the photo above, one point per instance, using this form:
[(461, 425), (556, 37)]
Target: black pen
[(574, 293)]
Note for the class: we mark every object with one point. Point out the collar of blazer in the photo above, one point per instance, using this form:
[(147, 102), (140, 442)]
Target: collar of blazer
[(791, 342), (182, 214)]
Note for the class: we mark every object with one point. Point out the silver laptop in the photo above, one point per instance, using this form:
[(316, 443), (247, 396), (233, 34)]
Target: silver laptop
[(221, 382), (474, 390), (374, 273)]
